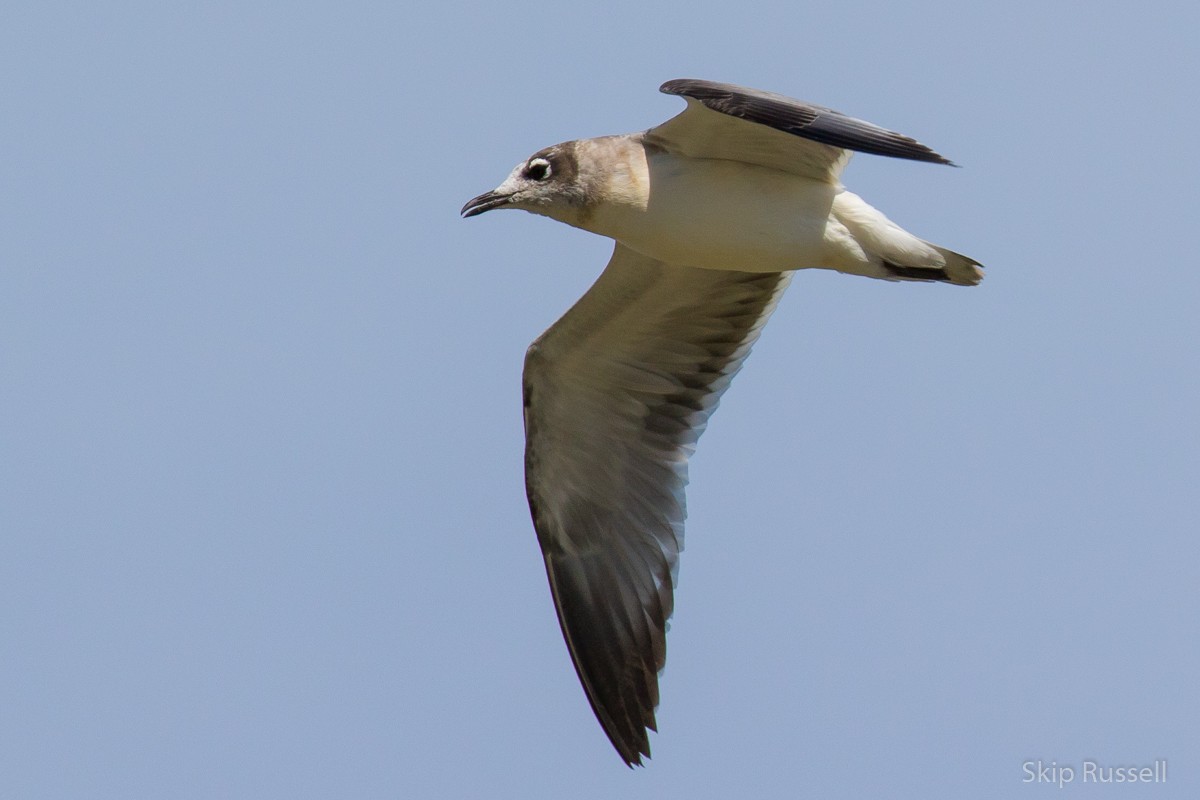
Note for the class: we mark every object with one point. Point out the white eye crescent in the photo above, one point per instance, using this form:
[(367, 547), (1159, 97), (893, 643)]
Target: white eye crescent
[(537, 169)]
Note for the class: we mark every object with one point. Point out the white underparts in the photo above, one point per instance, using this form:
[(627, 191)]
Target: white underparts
[(729, 215)]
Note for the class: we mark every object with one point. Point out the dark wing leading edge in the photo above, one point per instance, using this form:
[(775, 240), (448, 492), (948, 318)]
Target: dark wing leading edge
[(784, 134), (617, 393)]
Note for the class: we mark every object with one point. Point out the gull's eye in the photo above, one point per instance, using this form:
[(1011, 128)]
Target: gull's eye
[(538, 169)]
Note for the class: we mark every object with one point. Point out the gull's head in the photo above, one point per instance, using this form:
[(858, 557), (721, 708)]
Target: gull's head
[(547, 183)]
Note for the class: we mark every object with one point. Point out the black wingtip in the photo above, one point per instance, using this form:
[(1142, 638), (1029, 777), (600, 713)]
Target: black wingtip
[(632, 756), (629, 740)]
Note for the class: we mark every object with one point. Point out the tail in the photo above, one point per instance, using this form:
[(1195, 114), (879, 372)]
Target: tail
[(958, 269)]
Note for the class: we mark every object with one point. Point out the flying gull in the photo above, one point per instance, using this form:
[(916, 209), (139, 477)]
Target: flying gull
[(710, 211)]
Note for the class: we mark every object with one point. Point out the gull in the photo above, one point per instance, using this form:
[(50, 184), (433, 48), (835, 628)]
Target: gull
[(711, 212)]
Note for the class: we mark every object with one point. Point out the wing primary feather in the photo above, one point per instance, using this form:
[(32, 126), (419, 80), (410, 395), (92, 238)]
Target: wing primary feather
[(807, 120)]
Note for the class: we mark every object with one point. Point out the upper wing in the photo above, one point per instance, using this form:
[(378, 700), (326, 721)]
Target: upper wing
[(617, 392), (730, 122)]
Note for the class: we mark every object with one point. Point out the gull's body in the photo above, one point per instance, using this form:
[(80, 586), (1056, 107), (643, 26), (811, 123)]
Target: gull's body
[(722, 214), (714, 214), (710, 212)]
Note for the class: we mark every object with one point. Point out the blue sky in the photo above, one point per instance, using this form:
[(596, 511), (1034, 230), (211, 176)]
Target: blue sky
[(262, 523)]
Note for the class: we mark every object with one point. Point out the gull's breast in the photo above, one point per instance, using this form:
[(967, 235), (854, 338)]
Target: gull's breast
[(720, 214)]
